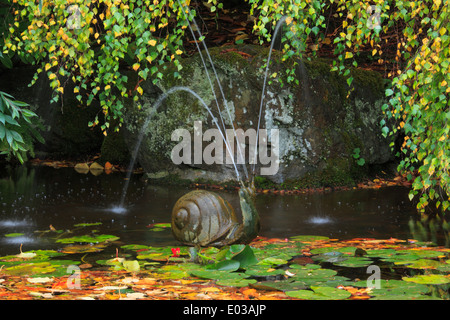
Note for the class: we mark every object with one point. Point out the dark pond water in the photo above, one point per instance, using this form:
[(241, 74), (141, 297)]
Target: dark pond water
[(34, 198)]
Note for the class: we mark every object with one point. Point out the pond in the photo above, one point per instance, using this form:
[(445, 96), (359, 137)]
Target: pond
[(36, 198)]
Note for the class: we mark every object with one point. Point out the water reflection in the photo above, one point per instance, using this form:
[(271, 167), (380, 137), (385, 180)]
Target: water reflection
[(34, 198)]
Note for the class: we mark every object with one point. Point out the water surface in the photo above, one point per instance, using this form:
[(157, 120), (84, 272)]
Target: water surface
[(33, 198)]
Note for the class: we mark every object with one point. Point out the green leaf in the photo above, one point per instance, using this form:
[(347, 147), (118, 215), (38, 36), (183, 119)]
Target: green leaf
[(12, 235), (225, 265), (320, 293), (89, 239), (245, 257), (428, 279)]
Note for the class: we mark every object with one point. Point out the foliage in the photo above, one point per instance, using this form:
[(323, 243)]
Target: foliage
[(89, 41), (17, 127), (418, 95), (265, 269)]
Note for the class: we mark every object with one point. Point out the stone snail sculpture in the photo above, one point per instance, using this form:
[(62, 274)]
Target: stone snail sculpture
[(202, 218)]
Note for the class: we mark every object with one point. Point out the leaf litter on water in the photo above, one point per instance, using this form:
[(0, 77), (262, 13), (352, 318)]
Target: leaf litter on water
[(274, 268)]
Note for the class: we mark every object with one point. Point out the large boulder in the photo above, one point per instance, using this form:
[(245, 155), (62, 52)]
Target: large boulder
[(319, 125)]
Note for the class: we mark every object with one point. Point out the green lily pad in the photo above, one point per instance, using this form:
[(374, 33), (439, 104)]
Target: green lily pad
[(428, 279), (89, 239), (420, 264), (319, 293), (308, 273), (349, 250), (381, 253), (225, 265), (354, 262), (422, 253), (218, 275), (281, 285), (308, 238), (12, 235), (272, 261), (245, 257), (134, 247), (263, 271), (131, 266), (309, 266), (87, 224), (332, 256), (444, 267), (236, 282)]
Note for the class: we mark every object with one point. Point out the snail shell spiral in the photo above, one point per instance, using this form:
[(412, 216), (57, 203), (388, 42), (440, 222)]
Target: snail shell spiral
[(203, 218)]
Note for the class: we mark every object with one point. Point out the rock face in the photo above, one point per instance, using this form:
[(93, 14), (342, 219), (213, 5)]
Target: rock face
[(318, 126)]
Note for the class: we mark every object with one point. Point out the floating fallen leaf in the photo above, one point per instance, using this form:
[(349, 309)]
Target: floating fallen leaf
[(108, 166), (107, 288), (42, 295), (135, 296), (40, 280), (82, 168)]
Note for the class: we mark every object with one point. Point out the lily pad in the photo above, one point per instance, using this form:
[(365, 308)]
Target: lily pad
[(272, 261), (354, 262), (89, 239), (348, 250), (307, 273), (134, 247), (87, 224), (420, 264), (320, 293), (236, 282), (428, 279), (12, 235), (308, 238), (283, 285), (332, 256), (245, 257), (218, 275), (225, 265), (263, 271)]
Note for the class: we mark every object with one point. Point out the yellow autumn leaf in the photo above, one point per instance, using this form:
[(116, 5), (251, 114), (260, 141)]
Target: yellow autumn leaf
[(96, 35), (76, 90), (47, 66), (178, 52), (152, 42), (139, 89), (136, 66), (444, 83), (52, 76), (374, 51), (442, 31), (107, 87), (60, 89), (348, 55), (288, 20)]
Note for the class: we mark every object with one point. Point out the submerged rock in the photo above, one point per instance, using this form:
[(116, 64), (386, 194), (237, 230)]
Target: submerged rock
[(319, 127)]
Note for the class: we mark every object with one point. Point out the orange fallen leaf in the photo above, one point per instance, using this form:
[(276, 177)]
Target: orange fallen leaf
[(250, 292), (108, 166)]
